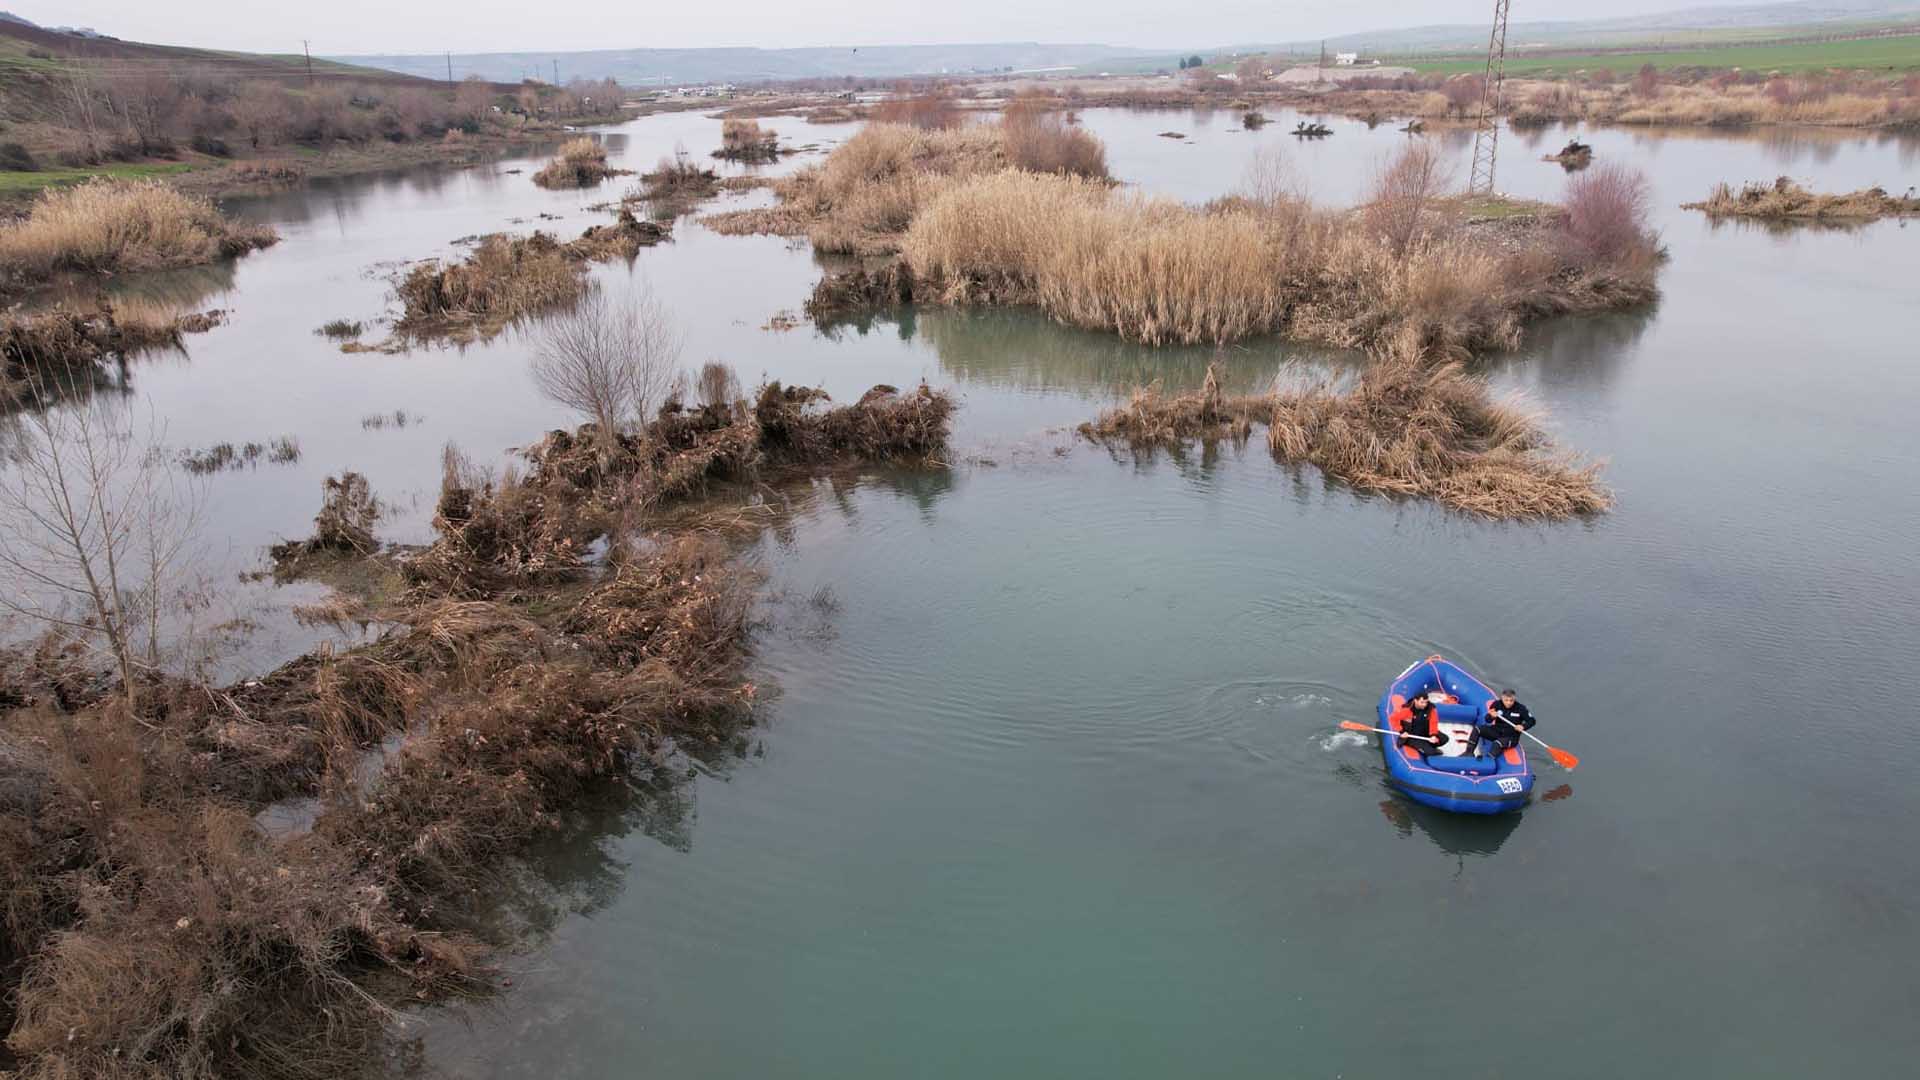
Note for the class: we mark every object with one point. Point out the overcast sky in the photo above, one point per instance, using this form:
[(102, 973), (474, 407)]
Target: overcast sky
[(394, 26)]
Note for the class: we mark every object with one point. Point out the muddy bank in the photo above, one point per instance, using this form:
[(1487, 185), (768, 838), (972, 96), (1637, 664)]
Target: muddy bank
[(554, 645)]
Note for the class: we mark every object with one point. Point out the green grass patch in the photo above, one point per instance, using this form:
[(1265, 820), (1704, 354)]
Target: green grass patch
[(24, 184), (1894, 53)]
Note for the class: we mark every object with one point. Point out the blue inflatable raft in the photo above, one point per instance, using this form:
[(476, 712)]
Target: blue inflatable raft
[(1450, 779)]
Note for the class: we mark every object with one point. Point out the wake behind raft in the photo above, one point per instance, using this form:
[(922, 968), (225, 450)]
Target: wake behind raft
[(1450, 779)]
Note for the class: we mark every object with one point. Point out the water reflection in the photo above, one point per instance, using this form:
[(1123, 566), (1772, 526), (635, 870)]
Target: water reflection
[(1587, 353), (1455, 834), (1023, 349)]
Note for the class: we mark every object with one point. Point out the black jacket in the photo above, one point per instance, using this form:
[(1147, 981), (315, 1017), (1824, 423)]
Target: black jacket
[(1519, 714)]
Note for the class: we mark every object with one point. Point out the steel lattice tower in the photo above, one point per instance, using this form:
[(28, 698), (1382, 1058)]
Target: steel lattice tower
[(1486, 137)]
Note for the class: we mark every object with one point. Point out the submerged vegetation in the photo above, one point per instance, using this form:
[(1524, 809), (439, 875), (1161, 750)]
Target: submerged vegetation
[(155, 930), (1401, 426), (115, 226), (64, 351), (1785, 200), (509, 278)]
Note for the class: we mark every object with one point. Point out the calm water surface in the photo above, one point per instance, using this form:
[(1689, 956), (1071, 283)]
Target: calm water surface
[(1051, 785)]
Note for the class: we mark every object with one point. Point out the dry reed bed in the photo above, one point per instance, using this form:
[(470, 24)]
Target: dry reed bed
[(116, 226), (1156, 271), (53, 352), (746, 141), (508, 278), (581, 163), (1403, 426), (154, 930), (864, 196), (1784, 200)]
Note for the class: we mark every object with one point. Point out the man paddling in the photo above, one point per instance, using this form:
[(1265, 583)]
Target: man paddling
[(1416, 725), (1506, 719)]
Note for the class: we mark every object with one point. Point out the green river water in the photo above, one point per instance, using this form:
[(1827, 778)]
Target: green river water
[(1049, 784)]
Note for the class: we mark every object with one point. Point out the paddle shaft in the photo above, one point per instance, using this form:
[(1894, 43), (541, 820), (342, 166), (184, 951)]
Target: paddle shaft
[(1523, 731), (1352, 726), (1562, 758)]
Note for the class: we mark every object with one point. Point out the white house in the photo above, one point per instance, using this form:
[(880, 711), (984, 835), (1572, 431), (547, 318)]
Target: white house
[(1345, 59)]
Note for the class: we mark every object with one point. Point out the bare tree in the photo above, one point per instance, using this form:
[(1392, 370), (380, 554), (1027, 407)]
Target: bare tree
[(718, 387), (95, 531), (473, 100), (608, 359), (1270, 179), (1404, 192)]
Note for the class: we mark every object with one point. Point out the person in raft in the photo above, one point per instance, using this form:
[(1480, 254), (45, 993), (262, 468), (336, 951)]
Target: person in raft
[(1506, 718), (1416, 719)]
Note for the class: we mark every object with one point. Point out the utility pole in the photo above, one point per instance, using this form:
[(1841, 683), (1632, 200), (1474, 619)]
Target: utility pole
[(307, 47), (1486, 135), (556, 71), (449, 71)]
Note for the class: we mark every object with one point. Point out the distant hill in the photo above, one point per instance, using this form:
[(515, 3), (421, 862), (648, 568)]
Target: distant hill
[(28, 50), (1683, 26), (657, 67), (654, 67)]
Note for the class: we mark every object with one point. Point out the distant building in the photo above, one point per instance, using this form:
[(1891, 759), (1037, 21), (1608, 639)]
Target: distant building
[(1345, 59)]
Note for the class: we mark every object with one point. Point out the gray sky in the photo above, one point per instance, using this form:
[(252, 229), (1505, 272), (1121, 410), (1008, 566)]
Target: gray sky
[(394, 26)]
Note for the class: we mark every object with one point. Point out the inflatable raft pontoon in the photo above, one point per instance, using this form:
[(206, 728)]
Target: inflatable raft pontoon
[(1451, 779)]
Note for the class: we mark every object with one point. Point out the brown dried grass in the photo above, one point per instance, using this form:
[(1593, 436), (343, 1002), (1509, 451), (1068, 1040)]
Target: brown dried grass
[(1155, 271), (1403, 426), (581, 163), (115, 226), (152, 929), (1784, 200)]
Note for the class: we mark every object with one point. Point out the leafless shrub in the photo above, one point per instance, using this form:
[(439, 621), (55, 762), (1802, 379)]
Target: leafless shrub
[(1606, 209), (608, 359), (1040, 140), (717, 386), (1404, 192), (99, 532), (928, 109)]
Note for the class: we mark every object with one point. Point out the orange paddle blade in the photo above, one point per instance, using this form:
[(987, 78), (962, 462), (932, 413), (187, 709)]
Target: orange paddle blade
[(1352, 725), (1563, 759)]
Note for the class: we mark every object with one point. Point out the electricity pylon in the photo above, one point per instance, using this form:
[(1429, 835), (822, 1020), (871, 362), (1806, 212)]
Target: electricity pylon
[(1486, 136)]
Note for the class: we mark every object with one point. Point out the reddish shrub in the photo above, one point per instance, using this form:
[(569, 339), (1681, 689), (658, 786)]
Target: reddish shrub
[(929, 109), (1646, 81), (1607, 214)]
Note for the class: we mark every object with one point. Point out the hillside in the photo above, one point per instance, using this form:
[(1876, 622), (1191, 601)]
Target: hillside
[(655, 67)]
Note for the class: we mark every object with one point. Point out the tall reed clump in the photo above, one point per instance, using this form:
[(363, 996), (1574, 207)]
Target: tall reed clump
[(114, 226), (863, 197), (746, 140), (1155, 271), (580, 163), (1040, 140), (504, 279)]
